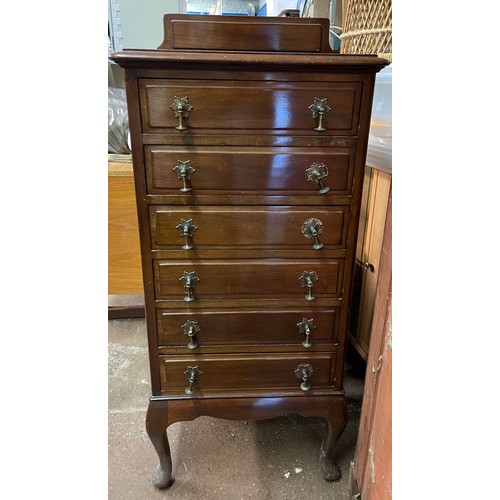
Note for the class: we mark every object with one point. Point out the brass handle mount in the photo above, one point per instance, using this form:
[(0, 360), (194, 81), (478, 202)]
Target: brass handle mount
[(316, 172), (191, 328), (311, 229), (318, 109), (307, 280), (192, 373), (189, 281), (306, 326), (186, 228), (181, 108), (183, 169), (304, 372)]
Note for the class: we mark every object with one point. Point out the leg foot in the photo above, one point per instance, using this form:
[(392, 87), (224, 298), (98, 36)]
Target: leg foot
[(337, 420), (162, 478), (156, 426)]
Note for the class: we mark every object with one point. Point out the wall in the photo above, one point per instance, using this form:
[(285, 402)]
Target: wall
[(142, 22)]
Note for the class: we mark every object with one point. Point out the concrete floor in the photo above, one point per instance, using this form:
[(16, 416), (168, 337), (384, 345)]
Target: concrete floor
[(217, 459)]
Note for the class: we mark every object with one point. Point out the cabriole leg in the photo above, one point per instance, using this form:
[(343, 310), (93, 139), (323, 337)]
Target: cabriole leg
[(156, 426), (337, 420)]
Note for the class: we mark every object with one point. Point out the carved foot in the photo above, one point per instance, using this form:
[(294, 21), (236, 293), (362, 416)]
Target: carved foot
[(162, 478), (329, 469)]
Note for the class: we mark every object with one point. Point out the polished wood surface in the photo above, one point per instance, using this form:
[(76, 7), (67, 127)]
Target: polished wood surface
[(250, 136), (250, 227), (164, 412), (246, 328), (252, 106), (244, 169), (252, 373), (248, 278), (304, 35)]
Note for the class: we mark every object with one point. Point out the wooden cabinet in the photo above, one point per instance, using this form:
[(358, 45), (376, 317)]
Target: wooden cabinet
[(373, 213), (124, 258), (248, 162)]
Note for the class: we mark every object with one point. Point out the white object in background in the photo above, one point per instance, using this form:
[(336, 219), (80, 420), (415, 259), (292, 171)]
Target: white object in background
[(275, 7), (379, 154)]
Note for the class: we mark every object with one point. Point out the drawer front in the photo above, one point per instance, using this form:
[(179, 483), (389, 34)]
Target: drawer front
[(246, 170), (249, 227), (230, 107), (233, 373), (252, 279), (221, 328)]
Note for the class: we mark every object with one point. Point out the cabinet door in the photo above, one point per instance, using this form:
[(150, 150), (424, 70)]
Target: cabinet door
[(376, 189)]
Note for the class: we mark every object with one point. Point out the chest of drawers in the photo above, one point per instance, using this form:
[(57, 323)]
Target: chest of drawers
[(248, 139)]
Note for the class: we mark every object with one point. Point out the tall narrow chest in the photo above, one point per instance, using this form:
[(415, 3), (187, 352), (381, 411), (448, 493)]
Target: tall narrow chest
[(249, 139)]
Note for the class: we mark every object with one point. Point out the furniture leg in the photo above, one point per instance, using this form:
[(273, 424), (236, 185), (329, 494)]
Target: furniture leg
[(156, 426), (336, 418)]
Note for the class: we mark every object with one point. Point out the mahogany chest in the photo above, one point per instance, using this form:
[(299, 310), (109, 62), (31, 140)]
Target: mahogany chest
[(249, 139)]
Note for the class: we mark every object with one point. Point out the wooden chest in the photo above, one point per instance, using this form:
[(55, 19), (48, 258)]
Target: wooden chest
[(249, 139)]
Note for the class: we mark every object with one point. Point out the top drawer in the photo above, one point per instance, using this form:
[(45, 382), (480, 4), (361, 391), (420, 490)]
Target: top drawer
[(215, 107)]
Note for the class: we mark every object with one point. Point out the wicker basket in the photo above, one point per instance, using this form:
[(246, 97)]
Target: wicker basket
[(367, 27)]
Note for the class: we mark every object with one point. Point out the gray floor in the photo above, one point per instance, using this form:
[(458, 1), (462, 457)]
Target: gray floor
[(217, 459)]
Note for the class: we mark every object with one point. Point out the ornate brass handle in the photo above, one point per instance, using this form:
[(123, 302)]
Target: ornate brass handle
[(187, 228), (183, 169), (191, 328), (181, 109), (311, 229), (189, 280), (304, 372), (318, 108), (192, 373), (306, 326), (316, 173), (307, 279)]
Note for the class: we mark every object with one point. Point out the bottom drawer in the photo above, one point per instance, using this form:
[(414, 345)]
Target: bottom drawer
[(245, 372)]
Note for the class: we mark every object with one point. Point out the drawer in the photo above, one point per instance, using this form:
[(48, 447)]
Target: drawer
[(244, 372), (245, 278), (214, 328), (283, 171), (249, 227), (264, 107)]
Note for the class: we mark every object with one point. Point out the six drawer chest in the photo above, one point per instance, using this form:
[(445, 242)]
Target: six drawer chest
[(249, 139)]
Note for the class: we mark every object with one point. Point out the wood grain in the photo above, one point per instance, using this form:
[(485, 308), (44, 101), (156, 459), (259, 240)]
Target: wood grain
[(124, 259)]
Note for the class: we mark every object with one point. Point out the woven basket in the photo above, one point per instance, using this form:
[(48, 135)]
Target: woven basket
[(367, 27)]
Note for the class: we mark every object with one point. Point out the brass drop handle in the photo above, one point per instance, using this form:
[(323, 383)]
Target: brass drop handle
[(311, 229), (318, 109), (189, 280), (316, 173), (304, 372), (191, 328), (306, 326), (192, 373), (307, 279), (187, 228), (181, 109), (183, 169)]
